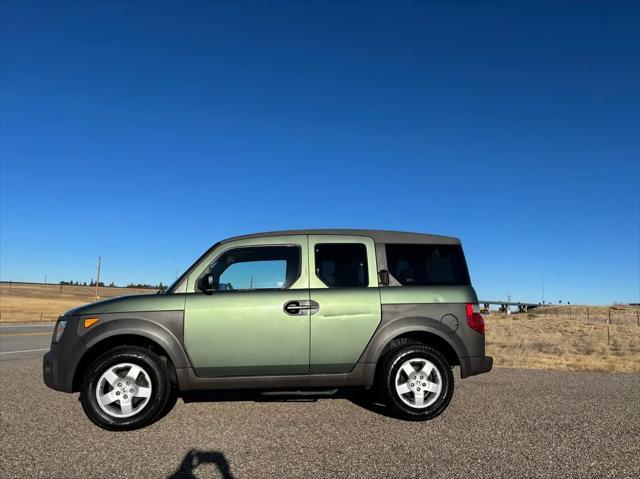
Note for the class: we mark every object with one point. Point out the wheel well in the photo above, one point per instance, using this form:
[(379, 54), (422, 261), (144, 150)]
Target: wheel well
[(120, 340), (423, 337)]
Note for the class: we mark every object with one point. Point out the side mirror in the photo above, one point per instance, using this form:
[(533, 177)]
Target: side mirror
[(206, 284)]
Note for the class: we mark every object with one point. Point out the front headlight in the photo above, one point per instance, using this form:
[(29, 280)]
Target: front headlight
[(57, 332)]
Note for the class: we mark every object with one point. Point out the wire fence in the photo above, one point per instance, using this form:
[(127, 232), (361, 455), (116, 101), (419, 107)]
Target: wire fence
[(609, 316)]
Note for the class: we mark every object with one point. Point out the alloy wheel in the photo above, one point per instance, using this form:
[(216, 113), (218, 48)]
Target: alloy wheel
[(123, 390)]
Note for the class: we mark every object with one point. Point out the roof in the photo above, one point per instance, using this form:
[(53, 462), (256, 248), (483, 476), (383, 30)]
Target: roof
[(379, 236)]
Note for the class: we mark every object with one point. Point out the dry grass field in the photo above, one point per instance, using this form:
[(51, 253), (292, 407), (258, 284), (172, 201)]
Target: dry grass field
[(563, 337), (37, 302)]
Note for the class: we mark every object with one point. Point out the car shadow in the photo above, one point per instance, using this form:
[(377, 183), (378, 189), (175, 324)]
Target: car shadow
[(357, 396), (194, 458), (369, 402)]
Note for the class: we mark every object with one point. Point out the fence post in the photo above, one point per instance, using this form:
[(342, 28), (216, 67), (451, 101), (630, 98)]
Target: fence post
[(569, 313), (588, 314), (40, 316), (638, 315)]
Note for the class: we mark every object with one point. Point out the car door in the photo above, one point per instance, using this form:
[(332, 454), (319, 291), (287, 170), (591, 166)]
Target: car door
[(255, 320), (344, 283)]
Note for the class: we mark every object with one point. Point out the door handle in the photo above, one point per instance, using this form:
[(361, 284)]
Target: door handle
[(294, 308), (299, 308)]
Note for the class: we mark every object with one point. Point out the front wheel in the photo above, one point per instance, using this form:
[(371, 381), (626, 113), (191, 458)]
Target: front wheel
[(126, 388), (416, 382)]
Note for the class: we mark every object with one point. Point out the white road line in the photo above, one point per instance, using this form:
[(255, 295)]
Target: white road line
[(7, 326), (24, 351)]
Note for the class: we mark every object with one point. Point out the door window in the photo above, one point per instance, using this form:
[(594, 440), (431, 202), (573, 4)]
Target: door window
[(342, 265), (259, 267)]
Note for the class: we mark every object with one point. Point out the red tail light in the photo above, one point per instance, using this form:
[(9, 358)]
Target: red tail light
[(474, 318)]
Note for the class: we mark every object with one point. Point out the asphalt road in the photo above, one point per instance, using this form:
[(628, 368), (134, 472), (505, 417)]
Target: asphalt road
[(20, 341), (509, 423)]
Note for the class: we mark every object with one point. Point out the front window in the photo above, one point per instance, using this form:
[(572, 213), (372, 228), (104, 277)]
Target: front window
[(256, 267)]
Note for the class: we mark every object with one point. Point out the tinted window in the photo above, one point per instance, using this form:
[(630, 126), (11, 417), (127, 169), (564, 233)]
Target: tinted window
[(342, 265), (262, 267), (421, 265)]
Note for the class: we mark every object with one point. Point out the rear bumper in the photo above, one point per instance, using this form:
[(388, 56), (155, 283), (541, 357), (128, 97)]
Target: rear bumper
[(473, 365)]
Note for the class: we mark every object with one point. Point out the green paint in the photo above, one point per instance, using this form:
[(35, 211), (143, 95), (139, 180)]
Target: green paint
[(342, 327), (347, 318), (140, 302), (427, 294), (246, 333)]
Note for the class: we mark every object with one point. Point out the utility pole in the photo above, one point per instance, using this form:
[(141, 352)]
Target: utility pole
[(98, 277), (543, 286)]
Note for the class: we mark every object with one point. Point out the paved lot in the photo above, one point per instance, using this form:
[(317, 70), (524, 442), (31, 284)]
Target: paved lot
[(509, 423)]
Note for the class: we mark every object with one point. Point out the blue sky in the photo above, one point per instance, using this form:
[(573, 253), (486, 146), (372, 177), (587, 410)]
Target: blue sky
[(144, 132)]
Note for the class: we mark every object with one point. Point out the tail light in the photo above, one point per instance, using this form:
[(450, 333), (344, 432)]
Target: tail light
[(474, 318)]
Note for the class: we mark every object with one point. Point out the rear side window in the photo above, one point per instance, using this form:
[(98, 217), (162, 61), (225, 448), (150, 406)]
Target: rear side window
[(342, 265), (427, 265)]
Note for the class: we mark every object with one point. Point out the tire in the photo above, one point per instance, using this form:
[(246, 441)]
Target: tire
[(109, 380), (435, 388)]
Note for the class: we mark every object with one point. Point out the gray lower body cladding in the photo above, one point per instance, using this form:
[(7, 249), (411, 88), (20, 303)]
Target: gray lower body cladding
[(442, 324), (62, 364)]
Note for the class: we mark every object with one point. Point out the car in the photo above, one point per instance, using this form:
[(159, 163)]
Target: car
[(293, 312)]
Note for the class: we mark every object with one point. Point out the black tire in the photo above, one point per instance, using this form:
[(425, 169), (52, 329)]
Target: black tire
[(161, 388), (390, 366)]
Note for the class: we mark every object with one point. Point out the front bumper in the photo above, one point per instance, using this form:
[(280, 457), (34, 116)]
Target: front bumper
[(473, 365), (54, 375), (59, 364)]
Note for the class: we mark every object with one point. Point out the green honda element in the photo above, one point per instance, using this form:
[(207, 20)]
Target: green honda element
[(292, 312)]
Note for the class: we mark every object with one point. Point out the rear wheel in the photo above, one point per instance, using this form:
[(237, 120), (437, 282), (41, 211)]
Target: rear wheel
[(126, 388), (416, 381)]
